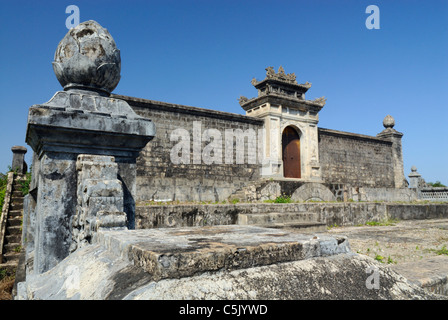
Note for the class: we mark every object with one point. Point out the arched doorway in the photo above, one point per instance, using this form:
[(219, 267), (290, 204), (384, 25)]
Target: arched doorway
[(291, 153)]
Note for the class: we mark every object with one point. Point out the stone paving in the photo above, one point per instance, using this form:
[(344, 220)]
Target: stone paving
[(417, 249)]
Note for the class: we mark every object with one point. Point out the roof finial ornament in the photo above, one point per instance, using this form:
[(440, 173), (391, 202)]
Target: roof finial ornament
[(388, 122), (270, 72), (87, 58)]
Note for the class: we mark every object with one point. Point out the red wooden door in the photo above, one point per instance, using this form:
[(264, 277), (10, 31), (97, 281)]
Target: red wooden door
[(291, 153)]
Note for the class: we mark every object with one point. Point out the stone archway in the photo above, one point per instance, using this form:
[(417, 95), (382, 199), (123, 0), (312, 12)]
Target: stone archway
[(291, 153), (313, 192)]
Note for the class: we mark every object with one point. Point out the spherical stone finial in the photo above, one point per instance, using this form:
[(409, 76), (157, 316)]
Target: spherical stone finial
[(414, 169), (388, 122), (88, 58)]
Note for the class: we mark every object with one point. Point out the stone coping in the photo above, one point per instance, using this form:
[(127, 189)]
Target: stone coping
[(196, 111), (357, 136), (183, 252)]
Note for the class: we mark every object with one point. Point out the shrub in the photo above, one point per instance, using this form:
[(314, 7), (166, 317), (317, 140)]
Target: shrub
[(283, 199), (3, 183)]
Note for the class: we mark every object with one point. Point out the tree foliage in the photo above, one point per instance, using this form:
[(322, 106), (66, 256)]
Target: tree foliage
[(436, 184)]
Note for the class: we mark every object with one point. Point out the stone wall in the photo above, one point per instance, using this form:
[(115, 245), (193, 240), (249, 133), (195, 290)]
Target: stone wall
[(348, 161), (341, 214), (355, 160), (158, 178), (386, 194), (417, 211)]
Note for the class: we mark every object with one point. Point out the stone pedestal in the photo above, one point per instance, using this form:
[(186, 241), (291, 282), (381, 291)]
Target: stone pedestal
[(82, 120), (74, 123), (18, 159), (389, 133), (414, 179)]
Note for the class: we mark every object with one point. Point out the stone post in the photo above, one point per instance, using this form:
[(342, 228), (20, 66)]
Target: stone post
[(18, 159), (414, 178), (81, 120), (389, 133)]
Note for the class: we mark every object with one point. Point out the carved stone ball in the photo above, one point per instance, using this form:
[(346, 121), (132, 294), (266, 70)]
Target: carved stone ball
[(88, 58), (388, 122)]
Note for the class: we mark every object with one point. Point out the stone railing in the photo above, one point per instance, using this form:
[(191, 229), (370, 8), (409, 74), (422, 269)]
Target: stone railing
[(434, 194), (424, 191), (4, 213)]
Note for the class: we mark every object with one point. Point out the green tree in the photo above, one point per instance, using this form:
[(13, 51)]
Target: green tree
[(436, 184)]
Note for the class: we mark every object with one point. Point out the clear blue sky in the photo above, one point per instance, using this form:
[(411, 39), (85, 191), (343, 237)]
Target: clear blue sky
[(205, 53)]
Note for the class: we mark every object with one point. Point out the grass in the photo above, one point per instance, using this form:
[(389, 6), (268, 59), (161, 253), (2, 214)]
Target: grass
[(3, 183), (7, 279), (25, 184), (441, 251), (332, 226), (280, 199), (386, 222), (381, 259)]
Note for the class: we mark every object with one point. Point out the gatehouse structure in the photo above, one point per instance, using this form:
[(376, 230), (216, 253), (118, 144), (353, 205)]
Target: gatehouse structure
[(281, 143)]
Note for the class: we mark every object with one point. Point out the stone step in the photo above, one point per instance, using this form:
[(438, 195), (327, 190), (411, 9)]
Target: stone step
[(15, 213), (303, 227), (17, 187), (13, 230), (11, 257), (9, 267), (14, 221), (275, 217), (13, 238), (16, 206), (16, 199), (12, 247), (17, 193), (241, 194), (184, 252)]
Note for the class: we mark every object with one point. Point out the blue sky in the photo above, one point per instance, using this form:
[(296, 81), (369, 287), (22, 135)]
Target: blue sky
[(205, 53)]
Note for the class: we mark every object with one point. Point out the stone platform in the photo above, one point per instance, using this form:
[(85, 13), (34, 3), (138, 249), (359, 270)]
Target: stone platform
[(409, 247), (183, 252), (216, 262)]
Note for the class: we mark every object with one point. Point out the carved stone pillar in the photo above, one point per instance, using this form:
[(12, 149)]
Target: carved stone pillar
[(389, 133), (18, 159), (82, 119)]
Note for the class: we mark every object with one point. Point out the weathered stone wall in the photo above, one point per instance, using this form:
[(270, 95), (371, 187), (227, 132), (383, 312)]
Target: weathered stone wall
[(417, 211), (348, 161), (355, 160), (341, 214), (158, 178)]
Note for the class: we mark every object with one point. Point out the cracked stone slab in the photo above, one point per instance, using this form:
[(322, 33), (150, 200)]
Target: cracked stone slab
[(431, 273), (183, 252)]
